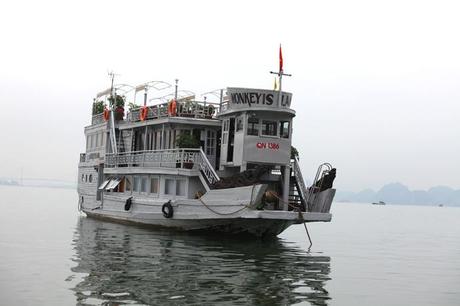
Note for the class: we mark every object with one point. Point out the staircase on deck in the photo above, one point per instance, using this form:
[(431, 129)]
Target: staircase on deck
[(302, 197)]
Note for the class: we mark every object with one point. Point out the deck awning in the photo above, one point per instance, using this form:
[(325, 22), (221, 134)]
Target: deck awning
[(104, 184), (110, 183), (113, 183)]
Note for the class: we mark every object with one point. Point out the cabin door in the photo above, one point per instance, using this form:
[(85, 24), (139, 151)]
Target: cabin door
[(210, 148), (231, 140)]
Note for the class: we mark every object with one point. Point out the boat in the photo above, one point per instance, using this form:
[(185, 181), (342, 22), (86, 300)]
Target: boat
[(192, 164), (379, 203)]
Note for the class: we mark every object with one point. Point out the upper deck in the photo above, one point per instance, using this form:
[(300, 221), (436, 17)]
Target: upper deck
[(187, 111)]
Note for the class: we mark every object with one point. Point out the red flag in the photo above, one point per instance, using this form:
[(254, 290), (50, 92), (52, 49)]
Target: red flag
[(281, 60)]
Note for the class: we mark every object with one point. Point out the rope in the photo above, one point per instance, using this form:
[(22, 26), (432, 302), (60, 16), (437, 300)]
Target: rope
[(234, 212), (300, 215)]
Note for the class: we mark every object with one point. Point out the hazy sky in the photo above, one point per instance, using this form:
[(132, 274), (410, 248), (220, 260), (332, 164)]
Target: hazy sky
[(375, 83)]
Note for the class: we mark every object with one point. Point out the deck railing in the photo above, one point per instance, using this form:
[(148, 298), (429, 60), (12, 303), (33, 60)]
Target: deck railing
[(96, 119), (207, 169), (172, 158), (188, 109)]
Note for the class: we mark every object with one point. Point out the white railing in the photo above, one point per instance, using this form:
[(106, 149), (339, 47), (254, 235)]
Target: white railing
[(315, 188), (169, 158), (96, 119), (172, 158), (301, 183), (189, 109), (207, 169)]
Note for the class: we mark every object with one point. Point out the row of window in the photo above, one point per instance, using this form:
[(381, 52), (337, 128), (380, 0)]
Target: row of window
[(258, 127), (145, 184), (95, 140), (85, 178)]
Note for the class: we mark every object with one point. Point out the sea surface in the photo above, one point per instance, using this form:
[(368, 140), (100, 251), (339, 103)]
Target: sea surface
[(367, 255)]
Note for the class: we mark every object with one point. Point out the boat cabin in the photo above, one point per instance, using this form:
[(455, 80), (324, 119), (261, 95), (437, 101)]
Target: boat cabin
[(183, 147)]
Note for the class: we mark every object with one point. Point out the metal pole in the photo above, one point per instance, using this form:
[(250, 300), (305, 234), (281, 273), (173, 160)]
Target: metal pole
[(175, 93), (287, 172), (279, 90), (221, 100)]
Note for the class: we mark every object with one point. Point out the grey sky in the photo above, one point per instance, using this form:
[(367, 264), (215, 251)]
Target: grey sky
[(375, 83)]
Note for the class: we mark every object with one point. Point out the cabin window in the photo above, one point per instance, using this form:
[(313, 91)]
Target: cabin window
[(239, 124), (121, 186), (253, 126), (128, 184), (180, 187), (144, 184), (82, 177), (269, 128), (90, 178), (137, 183), (225, 125), (284, 129), (169, 186), (154, 185), (93, 141)]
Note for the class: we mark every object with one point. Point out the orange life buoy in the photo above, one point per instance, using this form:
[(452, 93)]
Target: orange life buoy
[(143, 113), (106, 114), (172, 107)]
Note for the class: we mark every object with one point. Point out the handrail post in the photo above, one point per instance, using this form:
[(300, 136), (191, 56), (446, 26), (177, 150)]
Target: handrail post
[(221, 100), (182, 159)]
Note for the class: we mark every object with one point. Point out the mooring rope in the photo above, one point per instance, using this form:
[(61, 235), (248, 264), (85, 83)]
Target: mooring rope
[(234, 212), (295, 208)]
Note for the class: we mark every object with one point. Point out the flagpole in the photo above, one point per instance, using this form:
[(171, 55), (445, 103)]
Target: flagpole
[(280, 74), (285, 170)]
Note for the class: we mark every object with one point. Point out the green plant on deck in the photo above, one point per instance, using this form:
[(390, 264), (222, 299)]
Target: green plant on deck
[(117, 101), (187, 140), (98, 107), (133, 106)]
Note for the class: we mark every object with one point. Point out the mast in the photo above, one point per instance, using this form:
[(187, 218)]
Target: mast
[(286, 170), (113, 139)]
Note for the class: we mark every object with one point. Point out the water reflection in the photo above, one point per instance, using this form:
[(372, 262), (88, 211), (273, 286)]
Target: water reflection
[(124, 264)]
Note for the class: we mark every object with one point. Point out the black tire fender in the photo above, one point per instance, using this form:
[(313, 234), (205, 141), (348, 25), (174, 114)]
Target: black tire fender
[(167, 210), (129, 202)]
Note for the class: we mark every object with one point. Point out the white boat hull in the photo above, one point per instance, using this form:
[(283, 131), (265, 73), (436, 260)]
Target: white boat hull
[(226, 210)]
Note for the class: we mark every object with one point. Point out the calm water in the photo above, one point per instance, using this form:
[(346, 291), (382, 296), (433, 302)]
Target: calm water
[(368, 255)]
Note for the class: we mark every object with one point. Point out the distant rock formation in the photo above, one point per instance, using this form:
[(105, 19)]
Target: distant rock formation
[(397, 193)]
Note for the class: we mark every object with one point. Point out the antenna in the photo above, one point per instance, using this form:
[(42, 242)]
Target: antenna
[(112, 78)]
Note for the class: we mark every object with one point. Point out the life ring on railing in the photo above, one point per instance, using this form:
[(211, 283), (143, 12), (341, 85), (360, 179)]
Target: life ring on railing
[(143, 113), (167, 210), (211, 110), (106, 114), (172, 107)]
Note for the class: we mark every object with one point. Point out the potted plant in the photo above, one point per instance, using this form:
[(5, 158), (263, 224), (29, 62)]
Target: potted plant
[(187, 141), (118, 103), (98, 107)]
